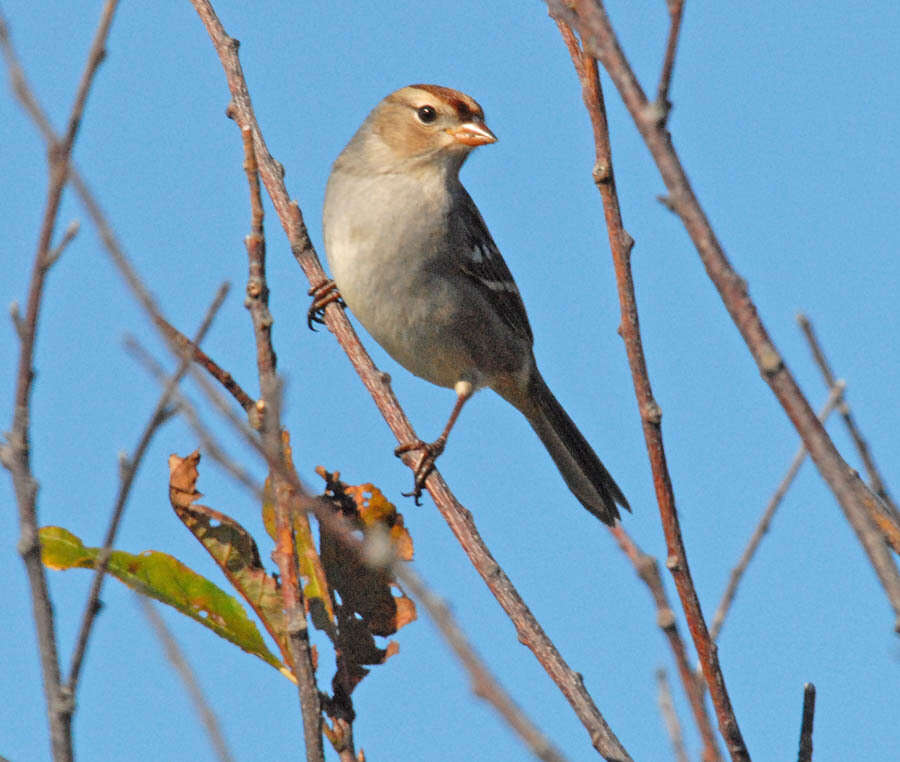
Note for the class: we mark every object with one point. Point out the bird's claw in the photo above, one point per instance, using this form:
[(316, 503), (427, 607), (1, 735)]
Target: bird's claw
[(430, 453), (323, 294)]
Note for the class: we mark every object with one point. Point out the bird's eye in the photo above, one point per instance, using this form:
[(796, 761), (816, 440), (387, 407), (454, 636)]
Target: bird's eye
[(427, 114)]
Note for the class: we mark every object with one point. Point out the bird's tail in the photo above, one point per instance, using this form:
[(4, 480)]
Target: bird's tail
[(579, 465)]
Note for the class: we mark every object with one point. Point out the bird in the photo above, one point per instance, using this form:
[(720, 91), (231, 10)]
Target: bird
[(412, 257)]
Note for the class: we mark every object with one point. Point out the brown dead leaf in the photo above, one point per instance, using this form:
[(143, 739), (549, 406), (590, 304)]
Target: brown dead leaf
[(370, 601)]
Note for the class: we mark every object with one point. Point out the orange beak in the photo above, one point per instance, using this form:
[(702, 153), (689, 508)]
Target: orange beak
[(472, 134)]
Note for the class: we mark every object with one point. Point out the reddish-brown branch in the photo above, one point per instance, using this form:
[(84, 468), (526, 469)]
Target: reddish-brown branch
[(185, 346), (620, 245), (589, 17), (530, 633)]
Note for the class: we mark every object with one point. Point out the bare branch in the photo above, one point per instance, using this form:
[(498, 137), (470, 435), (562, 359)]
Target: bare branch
[(670, 718), (176, 656), (889, 515), (54, 254), (189, 348), (184, 406), (648, 571), (676, 8), (17, 457), (16, 316), (484, 684), (629, 328), (806, 723), (590, 18), (285, 554), (127, 474), (734, 579), (458, 518)]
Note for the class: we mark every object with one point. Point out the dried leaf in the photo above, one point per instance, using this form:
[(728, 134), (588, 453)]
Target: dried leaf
[(367, 606), (373, 508), (368, 592), (231, 547)]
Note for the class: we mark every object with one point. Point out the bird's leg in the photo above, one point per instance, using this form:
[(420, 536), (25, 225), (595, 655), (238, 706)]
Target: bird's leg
[(323, 294), (431, 450)]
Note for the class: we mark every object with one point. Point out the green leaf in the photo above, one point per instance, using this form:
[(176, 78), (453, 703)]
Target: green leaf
[(160, 576)]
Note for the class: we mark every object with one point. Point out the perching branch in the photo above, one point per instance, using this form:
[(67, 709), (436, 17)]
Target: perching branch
[(458, 518)]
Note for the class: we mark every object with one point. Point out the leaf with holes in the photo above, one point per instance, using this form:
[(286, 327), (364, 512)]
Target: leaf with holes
[(231, 546)]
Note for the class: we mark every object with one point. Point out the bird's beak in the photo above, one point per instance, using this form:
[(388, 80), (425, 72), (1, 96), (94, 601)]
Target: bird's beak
[(472, 134)]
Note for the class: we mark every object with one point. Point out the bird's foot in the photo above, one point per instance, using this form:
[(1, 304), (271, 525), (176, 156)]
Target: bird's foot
[(430, 453), (323, 294)]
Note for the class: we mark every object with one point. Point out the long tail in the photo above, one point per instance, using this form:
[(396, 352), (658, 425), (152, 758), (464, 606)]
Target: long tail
[(579, 465)]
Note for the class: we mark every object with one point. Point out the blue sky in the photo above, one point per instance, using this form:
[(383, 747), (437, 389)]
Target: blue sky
[(786, 122)]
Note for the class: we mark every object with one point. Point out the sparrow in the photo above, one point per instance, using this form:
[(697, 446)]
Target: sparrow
[(412, 258)]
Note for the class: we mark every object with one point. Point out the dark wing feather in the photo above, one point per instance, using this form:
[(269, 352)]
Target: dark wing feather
[(480, 259)]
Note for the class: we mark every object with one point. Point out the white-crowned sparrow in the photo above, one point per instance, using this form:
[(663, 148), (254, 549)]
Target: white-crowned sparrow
[(414, 261)]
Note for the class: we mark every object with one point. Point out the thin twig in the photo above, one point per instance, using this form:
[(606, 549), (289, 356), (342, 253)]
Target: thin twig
[(16, 454), (806, 723), (528, 630), (188, 347), (68, 236), (373, 553), (285, 554), (676, 9), (620, 245), (179, 661), (852, 494), (648, 571), (126, 478), (185, 407), (670, 718), (483, 683), (737, 573), (891, 515), (33, 108)]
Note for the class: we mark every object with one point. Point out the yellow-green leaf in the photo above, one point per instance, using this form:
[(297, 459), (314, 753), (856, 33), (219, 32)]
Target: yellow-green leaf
[(165, 578)]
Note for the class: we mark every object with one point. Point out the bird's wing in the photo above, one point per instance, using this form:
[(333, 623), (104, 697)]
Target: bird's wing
[(481, 260)]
